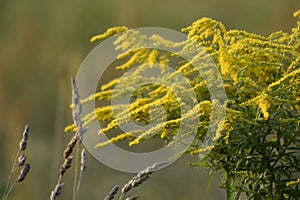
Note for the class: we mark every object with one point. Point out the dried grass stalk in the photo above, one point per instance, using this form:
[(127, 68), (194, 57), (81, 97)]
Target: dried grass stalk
[(70, 146), (56, 191), (142, 176), (76, 111), (112, 193), (66, 165)]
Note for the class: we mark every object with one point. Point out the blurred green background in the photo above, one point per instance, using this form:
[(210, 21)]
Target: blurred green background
[(42, 44)]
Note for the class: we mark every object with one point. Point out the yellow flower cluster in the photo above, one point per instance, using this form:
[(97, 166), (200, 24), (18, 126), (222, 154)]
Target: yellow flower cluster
[(259, 74)]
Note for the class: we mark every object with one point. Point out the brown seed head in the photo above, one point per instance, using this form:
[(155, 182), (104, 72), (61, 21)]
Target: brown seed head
[(112, 193), (22, 159), (70, 146), (56, 191), (23, 173), (66, 165)]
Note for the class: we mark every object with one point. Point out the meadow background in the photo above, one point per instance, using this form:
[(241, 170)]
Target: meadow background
[(42, 44)]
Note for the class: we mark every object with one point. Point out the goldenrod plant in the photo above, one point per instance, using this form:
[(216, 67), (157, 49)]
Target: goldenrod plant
[(257, 146)]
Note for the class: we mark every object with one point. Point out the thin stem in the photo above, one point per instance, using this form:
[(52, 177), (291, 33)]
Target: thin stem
[(9, 190), (228, 188), (13, 169), (75, 173), (79, 182)]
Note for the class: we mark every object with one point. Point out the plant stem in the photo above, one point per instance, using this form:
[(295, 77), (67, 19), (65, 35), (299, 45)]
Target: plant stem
[(13, 169), (9, 190), (75, 173), (79, 181)]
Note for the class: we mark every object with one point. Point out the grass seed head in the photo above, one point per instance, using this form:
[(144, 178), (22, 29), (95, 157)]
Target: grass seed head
[(24, 173), (112, 193), (83, 160), (66, 165), (70, 146), (22, 159), (56, 191)]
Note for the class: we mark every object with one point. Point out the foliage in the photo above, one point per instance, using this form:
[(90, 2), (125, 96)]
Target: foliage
[(257, 149)]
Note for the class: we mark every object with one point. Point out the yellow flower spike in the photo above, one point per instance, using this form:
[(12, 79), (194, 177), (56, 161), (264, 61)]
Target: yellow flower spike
[(114, 140), (129, 38), (206, 27), (110, 32), (197, 151), (293, 182), (263, 101), (160, 41), (110, 84), (152, 58), (239, 34), (125, 54), (97, 96), (133, 59), (284, 78), (264, 105), (109, 127), (70, 128), (219, 130), (164, 133), (297, 14), (156, 130), (134, 142)]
